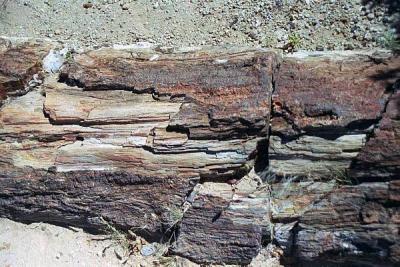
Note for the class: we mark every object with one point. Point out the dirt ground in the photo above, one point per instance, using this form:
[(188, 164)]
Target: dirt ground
[(308, 24)]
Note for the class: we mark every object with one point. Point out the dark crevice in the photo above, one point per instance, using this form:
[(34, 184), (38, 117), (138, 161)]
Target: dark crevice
[(289, 256), (225, 175), (64, 78), (262, 156)]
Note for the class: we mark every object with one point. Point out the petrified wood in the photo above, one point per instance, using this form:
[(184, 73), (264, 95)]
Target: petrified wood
[(126, 134), (166, 141), (19, 60), (379, 160), (223, 225), (352, 225), (324, 105)]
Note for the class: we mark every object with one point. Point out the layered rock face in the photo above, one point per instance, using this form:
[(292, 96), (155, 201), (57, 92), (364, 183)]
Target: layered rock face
[(132, 139), (227, 150), (324, 106)]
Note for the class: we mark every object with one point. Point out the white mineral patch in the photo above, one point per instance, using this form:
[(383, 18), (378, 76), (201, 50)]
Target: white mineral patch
[(54, 60)]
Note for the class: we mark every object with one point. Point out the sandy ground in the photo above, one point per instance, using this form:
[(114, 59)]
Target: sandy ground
[(48, 245)]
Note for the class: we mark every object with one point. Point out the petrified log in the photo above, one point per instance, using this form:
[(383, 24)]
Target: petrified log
[(163, 141), (125, 135)]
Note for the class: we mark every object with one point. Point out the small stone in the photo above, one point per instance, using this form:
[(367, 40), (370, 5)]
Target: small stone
[(119, 252), (87, 5), (148, 250)]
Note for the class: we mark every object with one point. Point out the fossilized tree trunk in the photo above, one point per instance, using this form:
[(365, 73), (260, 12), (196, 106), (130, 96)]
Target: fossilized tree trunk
[(132, 135)]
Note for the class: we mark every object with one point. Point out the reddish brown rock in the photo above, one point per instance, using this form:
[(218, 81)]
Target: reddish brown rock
[(161, 143), (323, 106), (229, 92), (332, 91), (348, 227), (380, 158), (130, 142), (19, 60)]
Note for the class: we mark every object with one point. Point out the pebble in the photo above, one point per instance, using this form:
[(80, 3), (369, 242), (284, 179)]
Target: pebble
[(148, 250), (371, 16), (87, 5)]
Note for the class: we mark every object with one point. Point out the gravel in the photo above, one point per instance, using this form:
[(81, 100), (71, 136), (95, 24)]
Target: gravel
[(321, 25)]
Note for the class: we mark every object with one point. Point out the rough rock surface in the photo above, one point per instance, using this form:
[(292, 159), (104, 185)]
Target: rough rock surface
[(380, 158), (20, 60), (352, 225), (323, 107), (223, 152), (235, 225), (129, 142)]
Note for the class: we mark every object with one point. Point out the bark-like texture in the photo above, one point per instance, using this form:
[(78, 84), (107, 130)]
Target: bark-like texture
[(82, 198), (223, 226), (132, 139), (163, 142), (353, 225), (19, 60), (324, 106), (225, 94), (379, 160)]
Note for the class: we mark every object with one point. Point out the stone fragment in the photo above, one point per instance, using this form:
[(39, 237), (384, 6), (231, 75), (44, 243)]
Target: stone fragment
[(222, 226)]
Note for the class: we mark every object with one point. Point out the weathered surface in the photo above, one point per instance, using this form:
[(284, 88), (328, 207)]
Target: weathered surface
[(236, 221), (19, 60), (354, 224), (133, 138), (323, 106), (226, 94), (163, 142), (380, 158), (80, 198), (223, 226)]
